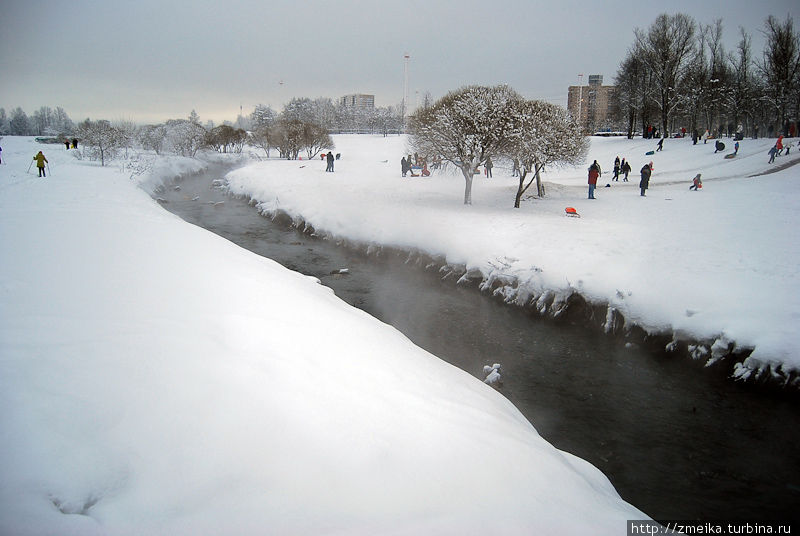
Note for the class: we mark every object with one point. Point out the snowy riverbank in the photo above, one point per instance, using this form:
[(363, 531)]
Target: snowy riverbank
[(157, 379), (716, 266)]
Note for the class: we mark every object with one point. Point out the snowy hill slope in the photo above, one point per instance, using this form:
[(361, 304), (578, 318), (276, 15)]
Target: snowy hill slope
[(716, 267), (156, 379)]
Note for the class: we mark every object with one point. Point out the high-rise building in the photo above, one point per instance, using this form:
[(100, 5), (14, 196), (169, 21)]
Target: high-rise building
[(358, 100), (593, 106)]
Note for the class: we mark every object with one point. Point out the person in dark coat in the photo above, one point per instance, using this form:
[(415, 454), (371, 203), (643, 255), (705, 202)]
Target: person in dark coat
[(489, 165), (644, 183), (626, 168), (697, 182), (330, 162), (404, 166), (66, 144), (616, 170), (594, 173), (660, 145)]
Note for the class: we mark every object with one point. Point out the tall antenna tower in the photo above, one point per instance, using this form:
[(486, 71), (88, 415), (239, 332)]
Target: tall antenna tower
[(406, 57)]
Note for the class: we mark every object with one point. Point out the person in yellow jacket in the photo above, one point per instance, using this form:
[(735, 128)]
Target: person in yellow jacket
[(40, 162)]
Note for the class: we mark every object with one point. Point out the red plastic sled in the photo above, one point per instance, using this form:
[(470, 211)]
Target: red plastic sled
[(572, 212)]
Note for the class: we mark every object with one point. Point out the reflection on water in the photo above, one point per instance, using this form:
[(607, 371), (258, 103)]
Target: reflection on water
[(677, 441)]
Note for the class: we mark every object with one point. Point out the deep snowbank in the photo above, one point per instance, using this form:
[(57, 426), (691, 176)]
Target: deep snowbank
[(157, 379), (714, 270)]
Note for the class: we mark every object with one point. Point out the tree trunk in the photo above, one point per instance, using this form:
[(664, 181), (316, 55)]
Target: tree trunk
[(539, 185), (468, 173), (521, 189)]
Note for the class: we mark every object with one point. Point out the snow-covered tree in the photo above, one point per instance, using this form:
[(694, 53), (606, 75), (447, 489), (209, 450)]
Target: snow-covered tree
[(100, 138), (152, 137), (61, 121), (547, 136), (19, 125), (185, 137), (466, 127), (262, 117), (127, 133), (5, 127)]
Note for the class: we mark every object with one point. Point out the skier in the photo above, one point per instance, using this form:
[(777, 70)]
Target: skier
[(696, 183), (616, 170), (594, 173), (645, 182), (626, 168), (40, 162), (330, 162)]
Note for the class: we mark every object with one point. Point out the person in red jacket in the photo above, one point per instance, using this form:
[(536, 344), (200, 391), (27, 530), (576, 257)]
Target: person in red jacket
[(594, 173), (779, 144)]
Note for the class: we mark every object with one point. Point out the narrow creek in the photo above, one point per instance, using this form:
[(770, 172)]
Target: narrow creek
[(677, 440)]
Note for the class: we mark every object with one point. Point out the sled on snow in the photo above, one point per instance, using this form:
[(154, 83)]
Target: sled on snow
[(731, 155), (650, 152), (571, 212)]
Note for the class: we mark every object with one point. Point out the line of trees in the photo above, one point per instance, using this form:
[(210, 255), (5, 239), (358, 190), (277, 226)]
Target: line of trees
[(302, 128), (44, 122), (678, 74)]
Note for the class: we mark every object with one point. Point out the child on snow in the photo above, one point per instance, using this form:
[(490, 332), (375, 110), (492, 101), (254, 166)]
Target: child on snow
[(697, 183)]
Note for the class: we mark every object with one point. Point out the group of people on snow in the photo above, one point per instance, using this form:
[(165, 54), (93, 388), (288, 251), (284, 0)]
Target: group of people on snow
[(619, 166), (778, 148), (408, 165)]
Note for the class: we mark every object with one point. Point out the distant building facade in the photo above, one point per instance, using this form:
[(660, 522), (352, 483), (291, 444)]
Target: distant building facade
[(358, 100), (594, 106)]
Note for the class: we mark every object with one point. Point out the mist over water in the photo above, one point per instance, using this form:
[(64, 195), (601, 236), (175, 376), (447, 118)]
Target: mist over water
[(677, 440)]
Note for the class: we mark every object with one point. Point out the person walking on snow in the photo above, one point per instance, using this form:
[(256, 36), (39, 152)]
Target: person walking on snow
[(697, 183), (40, 162), (779, 144), (330, 162), (772, 152), (489, 165), (626, 168), (660, 145), (644, 183), (616, 170), (594, 173)]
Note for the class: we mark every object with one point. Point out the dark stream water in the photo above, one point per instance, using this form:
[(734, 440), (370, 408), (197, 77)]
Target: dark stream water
[(677, 441)]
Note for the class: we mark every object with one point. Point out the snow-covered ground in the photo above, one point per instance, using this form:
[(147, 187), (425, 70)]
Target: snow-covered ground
[(157, 379), (717, 266)]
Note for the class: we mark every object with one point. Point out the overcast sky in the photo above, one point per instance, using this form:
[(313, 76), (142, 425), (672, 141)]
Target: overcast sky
[(149, 60)]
